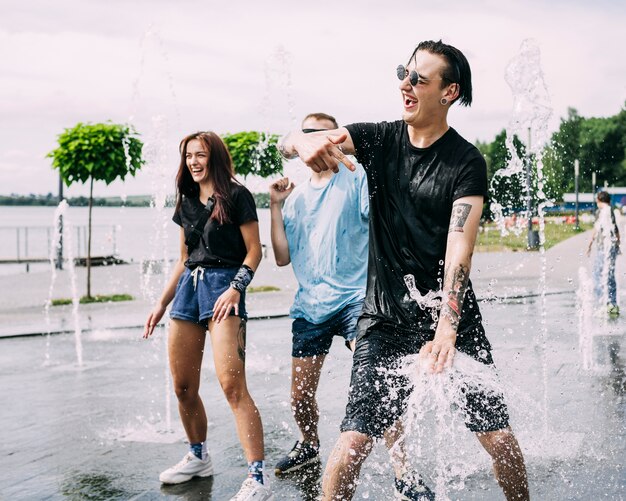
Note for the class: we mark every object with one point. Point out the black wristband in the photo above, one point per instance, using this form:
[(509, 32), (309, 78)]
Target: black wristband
[(242, 278)]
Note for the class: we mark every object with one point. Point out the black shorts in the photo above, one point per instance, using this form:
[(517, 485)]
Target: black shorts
[(377, 398)]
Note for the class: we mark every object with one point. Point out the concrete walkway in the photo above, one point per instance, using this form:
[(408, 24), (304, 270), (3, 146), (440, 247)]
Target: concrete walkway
[(106, 428), (494, 275)]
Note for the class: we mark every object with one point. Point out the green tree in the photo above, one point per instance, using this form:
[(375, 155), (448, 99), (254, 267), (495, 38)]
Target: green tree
[(602, 148), (96, 152), (254, 153), (506, 184), (560, 154), (598, 143)]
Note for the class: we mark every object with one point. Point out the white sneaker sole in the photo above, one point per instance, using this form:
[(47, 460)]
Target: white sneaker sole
[(179, 478)]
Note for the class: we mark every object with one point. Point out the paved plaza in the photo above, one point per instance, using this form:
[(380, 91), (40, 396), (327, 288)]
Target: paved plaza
[(106, 429)]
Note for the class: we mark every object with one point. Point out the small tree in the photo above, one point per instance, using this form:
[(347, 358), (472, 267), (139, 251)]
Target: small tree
[(254, 153), (96, 152)]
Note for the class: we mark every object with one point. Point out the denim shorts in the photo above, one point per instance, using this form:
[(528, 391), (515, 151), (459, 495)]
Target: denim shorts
[(315, 339), (197, 291)]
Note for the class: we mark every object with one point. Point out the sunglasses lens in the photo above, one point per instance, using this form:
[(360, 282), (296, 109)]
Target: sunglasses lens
[(413, 77), (401, 72), (308, 131)]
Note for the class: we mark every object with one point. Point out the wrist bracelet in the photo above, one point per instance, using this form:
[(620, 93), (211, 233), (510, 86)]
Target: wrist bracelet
[(242, 278)]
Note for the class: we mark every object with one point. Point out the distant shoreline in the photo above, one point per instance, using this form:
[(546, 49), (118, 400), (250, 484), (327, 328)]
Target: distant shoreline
[(49, 200)]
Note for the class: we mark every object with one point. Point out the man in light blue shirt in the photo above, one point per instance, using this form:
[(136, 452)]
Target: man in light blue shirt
[(322, 229)]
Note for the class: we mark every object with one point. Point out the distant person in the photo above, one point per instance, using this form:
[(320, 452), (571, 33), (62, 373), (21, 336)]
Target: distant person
[(607, 239), (322, 230), (219, 253), (427, 187)]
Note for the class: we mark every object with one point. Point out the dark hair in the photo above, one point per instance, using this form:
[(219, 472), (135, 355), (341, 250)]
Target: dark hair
[(457, 69), (322, 116), (604, 197), (221, 174)]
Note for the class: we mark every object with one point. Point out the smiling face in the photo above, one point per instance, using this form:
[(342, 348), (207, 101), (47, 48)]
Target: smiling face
[(197, 159), (422, 102)]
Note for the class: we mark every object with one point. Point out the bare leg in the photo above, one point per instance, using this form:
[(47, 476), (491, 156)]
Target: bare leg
[(394, 441), (508, 462), (186, 347), (344, 465), (229, 351), (305, 377)]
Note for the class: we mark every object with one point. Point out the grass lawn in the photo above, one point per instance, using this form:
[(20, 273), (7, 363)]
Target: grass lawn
[(113, 298), (490, 240)]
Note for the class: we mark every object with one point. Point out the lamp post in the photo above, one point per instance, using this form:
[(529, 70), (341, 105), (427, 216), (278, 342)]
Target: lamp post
[(593, 182), (576, 173), (593, 189)]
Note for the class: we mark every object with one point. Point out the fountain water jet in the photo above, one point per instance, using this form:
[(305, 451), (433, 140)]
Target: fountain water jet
[(66, 236)]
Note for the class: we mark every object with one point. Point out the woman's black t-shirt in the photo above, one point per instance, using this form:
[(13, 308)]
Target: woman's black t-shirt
[(411, 195), (221, 245)]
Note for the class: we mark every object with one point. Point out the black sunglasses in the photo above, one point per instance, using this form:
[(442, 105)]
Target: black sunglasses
[(306, 131), (402, 73)]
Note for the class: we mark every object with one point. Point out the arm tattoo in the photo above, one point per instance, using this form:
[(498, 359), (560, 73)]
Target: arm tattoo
[(283, 151), (459, 216), (453, 302), (241, 340)]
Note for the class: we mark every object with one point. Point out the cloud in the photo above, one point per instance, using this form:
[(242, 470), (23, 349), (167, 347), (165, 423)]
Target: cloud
[(263, 65)]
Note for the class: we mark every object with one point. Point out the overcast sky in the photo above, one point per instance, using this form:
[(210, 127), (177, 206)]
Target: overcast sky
[(173, 67)]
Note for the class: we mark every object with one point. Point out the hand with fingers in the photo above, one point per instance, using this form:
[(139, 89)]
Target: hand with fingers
[(225, 303), (438, 354), (321, 151), (153, 319), (280, 190)]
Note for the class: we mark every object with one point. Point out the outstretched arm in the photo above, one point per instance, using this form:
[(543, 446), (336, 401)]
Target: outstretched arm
[(593, 237), (464, 221), (321, 151)]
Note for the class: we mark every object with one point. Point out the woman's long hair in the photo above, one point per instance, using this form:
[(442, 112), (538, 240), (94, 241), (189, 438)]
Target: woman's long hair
[(221, 174)]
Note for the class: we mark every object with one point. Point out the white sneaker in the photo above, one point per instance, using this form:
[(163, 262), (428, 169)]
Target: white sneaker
[(190, 466), (251, 490)]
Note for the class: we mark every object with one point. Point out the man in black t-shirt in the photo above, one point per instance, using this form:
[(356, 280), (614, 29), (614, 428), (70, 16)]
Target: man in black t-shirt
[(427, 187)]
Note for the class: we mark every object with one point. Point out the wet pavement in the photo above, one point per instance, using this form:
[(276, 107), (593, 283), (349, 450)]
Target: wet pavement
[(105, 430)]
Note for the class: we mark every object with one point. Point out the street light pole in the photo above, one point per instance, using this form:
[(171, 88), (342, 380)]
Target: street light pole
[(576, 173), (593, 188)]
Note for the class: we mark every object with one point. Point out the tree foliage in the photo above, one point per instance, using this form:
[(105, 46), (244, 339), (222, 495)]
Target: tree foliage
[(102, 152), (506, 187), (598, 143), (254, 153), (96, 152)]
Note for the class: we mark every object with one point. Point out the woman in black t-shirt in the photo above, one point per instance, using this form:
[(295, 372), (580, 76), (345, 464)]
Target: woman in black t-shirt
[(219, 252)]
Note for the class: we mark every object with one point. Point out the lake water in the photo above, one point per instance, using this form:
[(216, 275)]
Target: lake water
[(132, 233)]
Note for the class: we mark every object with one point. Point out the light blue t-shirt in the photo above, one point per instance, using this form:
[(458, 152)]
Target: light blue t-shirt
[(327, 233)]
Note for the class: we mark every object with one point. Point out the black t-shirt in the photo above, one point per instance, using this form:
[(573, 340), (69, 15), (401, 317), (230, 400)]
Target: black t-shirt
[(221, 245), (411, 195)]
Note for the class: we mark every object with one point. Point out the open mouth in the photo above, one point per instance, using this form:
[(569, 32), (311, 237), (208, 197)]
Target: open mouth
[(409, 101)]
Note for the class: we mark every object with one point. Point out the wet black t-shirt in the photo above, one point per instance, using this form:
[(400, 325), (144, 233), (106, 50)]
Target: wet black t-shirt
[(221, 245), (411, 195)]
